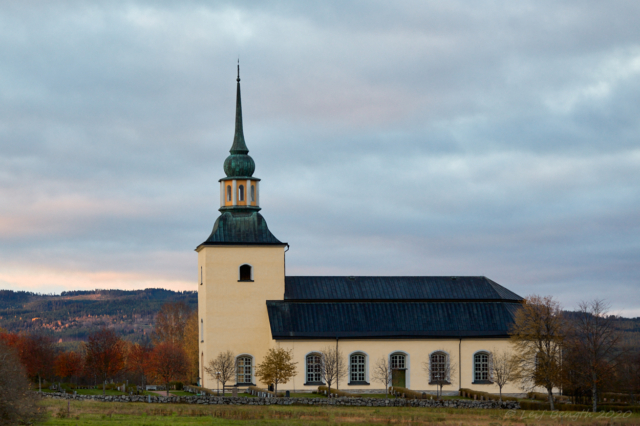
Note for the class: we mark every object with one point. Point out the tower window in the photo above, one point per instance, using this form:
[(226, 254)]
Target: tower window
[(243, 369), (253, 193), (241, 193), (201, 330), (228, 192), (246, 273)]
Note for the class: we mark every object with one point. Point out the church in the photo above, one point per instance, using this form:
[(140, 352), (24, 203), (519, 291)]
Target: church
[(247, 304)]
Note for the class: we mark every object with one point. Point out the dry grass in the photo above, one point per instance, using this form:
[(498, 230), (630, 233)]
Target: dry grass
[(98, 413)]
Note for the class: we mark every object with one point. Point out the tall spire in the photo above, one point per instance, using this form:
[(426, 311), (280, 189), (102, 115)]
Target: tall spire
[(239, 146)]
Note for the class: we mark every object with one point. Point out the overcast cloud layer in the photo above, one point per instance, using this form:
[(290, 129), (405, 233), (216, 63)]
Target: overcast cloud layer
[(493, 138)]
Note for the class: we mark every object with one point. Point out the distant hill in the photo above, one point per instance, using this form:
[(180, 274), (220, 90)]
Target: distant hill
[(73, 315)]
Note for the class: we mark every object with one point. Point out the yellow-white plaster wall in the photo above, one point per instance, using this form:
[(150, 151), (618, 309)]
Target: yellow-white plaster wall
[(417, 352), (234, 313)]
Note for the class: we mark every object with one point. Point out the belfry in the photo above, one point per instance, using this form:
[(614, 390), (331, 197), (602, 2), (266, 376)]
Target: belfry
[(247, 305)]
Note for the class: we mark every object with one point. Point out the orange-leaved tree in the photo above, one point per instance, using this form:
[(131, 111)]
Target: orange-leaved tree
[(37, 354), (139, 361), (104, 351), (168, 362), (69, 364)]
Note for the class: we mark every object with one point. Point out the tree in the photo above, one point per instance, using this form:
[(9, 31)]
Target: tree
[(191, 345), (502, 368), (171, 322), (17, 406), (138, 361), (222, 368), (382, 373), (104, 354), (276, 367), (37, 354), (332, 366), (440, 370), (68, 364), (168, 362), (595, 339), (538, 336)]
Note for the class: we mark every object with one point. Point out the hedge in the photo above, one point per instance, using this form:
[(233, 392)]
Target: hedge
[(469, 393), (408, 393), (545, 397)]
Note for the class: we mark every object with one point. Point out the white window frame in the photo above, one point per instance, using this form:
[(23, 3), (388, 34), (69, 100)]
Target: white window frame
[(251, 368), (366, 367), (306, 368)]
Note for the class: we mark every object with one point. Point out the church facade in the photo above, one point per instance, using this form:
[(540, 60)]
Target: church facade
[(247, 304)]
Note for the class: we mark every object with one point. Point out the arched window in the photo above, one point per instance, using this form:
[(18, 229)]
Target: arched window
[(243, 369), (253, 193), (246, 274), (202, 330), (228, 192), (438, 367), (357, 368), (398, 361), (241, 193), (481, 367), (314, 365)]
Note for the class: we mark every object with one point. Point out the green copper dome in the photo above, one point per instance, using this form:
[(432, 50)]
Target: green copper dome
[(239, 163)]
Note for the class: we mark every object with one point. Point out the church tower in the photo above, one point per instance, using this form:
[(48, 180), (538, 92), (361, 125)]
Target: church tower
[(240, 267)]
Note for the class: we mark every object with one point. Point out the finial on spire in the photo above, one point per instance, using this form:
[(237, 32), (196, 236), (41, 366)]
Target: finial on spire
[(238, 79)]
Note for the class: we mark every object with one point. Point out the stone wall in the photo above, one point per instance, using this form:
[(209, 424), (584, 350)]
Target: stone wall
[(354, 402)]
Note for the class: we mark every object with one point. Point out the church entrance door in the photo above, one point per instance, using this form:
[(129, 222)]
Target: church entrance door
[(398, 378)]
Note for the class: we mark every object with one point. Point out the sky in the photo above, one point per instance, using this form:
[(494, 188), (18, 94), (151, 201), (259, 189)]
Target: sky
[(492, 138)]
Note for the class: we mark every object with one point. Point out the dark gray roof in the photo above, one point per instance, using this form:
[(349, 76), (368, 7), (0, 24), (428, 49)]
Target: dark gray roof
[(241, 227), (297, 320), (396, 288)]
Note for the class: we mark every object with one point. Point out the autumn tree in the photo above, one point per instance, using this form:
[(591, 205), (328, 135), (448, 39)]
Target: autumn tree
[(595, 340), (382, 373), (537, 336), (69, 364), (37, 354), (104, 355), (168, 362), (222, 368), (138, 361), (503, 368), (332, 366), (171, 322), (17, 406), (276, 367), (191, 345)]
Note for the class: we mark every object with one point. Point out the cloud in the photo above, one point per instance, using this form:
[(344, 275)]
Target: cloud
[(415, 138)]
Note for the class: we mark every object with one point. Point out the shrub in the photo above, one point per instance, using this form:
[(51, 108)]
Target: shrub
[(408, 393), (545, 397), (486, 395)]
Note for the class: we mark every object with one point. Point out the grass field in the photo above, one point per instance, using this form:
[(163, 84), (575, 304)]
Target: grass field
[(138, 414)]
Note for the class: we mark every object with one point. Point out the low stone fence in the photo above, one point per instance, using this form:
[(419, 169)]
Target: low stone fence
[(350, 401)]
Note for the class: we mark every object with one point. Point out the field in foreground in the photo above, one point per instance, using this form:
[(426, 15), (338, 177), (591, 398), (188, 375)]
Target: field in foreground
[(109, 414)]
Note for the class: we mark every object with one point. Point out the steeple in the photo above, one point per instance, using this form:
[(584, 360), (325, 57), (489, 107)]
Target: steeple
[(239, 146), (239, 163), (240, 221)]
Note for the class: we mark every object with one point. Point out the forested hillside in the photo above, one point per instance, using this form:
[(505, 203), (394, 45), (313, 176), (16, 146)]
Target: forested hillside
[(73, 315)]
